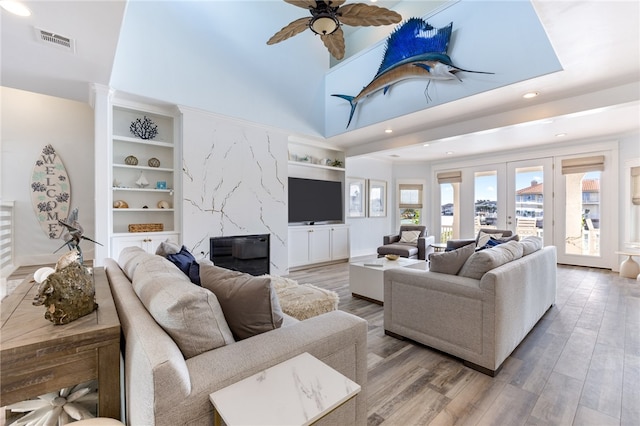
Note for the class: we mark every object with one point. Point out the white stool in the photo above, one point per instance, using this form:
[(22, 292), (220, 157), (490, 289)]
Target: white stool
[(629, 268)]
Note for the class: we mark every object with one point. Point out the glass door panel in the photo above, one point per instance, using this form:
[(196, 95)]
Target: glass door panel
[(486, 200), (530, 189)]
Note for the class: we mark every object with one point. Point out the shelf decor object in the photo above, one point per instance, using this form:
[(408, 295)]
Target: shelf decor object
[(153, 162), (120, 204), (144, 128), (131, 160), (146, 227)]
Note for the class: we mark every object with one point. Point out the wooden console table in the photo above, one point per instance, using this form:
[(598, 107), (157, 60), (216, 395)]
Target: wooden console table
[(37, 357)]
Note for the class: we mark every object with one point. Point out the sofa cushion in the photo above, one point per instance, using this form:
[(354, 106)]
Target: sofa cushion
[(250, 304), (531, 244), (450, 262), (191, 315), (401, 249), (129, 259), (409, 236), (483, 261)]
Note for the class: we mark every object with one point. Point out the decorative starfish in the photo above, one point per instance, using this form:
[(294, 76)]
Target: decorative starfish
[(58, 408)]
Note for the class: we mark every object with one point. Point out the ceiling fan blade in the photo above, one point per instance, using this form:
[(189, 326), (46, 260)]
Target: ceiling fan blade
[(334, 42), (305, 4), (295, 27), (363, 15)]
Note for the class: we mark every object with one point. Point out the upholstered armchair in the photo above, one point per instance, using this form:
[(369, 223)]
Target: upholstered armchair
[(411, 242), (455, 244)]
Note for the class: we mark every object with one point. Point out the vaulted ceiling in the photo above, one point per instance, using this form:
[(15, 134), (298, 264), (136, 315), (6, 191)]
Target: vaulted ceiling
[(213, 55)]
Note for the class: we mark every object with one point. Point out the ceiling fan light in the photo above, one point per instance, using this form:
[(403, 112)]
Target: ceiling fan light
[(324, 23)]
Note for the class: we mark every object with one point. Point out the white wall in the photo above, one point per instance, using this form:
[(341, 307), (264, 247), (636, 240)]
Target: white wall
[(234, 183), (29, 122), (365, 234)]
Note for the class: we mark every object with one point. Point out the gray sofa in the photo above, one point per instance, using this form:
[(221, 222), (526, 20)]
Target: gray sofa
[(480, 320), (163, 386)]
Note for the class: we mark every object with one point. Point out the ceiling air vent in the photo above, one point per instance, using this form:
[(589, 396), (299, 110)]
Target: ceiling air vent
[(55, 40)]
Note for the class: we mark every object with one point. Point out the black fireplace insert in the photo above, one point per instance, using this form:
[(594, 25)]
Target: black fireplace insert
[(244, 253)]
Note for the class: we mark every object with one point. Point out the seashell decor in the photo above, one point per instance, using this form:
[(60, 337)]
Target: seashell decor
[(131, 160), (120, 204)]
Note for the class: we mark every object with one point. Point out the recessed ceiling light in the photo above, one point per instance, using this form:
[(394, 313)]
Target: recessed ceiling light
[(530, 95), (449, 152), (388, 131), (561, 135), (15, 7), (426, 144)]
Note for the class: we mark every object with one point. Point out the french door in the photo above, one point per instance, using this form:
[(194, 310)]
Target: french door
[(530, 198)]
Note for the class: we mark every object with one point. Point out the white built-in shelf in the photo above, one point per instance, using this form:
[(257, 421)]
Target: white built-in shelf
[(159, 169), (128, 209), (142, 141), (317, 166), (118, 188)]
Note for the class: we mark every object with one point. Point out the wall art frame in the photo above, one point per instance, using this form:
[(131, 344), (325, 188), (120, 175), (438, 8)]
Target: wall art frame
[(356, 197), (377, 192)]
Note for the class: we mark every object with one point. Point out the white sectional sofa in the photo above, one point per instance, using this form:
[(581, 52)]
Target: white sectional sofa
[(182, 351), (481, 319)]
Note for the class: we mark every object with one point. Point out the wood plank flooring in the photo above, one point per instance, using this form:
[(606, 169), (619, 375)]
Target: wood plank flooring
[(579, 366)]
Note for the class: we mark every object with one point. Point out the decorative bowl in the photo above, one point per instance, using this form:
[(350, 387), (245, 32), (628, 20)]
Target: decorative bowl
[(391, 256)]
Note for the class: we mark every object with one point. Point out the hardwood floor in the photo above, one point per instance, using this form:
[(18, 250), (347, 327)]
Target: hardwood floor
[(580, 365)]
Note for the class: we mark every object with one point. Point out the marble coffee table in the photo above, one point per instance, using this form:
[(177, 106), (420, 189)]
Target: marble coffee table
[(298, 391), (366, 279)]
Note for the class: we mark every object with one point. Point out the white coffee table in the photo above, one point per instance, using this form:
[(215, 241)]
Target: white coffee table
[(298, 391), (366, 279)]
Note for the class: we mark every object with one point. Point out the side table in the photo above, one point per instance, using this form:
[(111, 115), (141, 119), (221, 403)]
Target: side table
[(298, 391), (439, 247), (629, 268), (38, 357)]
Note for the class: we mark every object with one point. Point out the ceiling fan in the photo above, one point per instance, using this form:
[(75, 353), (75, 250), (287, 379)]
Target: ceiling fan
[(328, 15)]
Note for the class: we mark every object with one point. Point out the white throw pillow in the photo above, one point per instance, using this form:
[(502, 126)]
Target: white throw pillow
[(409, 236), (483, 237)]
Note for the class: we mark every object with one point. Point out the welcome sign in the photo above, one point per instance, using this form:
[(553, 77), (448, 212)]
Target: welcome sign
[(50, 192)]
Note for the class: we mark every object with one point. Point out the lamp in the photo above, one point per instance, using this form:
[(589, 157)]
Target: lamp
[(324, 19)]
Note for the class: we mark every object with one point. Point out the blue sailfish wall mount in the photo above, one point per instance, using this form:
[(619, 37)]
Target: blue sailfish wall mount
[(414, 50)]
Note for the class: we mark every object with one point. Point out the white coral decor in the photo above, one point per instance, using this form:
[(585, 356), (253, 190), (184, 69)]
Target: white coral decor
[(58, 408)]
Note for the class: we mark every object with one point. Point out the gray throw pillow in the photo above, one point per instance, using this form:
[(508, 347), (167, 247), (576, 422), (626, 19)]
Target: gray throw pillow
[(191, 315), (450, 262), (168, 247), (250, 304), (483, 261)]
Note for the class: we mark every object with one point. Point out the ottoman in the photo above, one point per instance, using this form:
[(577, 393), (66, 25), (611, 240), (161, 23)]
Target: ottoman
[(303, 301)]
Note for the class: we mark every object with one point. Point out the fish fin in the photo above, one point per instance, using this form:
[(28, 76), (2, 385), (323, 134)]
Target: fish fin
[(386, 89), (353, 105)]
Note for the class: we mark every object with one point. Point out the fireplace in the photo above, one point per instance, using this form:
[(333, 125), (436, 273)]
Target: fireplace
[(244, 253)]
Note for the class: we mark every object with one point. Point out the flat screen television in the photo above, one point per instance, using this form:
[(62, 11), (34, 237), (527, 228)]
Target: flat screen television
[(312, 200)]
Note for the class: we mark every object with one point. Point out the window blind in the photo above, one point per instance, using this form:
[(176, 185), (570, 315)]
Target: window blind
[(450, 177), (410, 196), (582, 165)]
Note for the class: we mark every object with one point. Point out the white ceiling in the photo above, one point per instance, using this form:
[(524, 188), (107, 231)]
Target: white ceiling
[(596, 96)]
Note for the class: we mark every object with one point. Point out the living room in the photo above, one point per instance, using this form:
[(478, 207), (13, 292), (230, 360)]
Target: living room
[(237, 131)]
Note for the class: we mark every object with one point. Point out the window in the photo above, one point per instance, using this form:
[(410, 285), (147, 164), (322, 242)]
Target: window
[(410, 204)]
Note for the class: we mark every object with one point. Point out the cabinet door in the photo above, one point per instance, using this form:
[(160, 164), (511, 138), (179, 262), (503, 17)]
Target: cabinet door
[(298, 246), (319, 245), (339, 242), (148, 243)]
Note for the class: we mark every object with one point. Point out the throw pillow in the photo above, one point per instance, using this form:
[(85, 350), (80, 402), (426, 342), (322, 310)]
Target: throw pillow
[(191, 315), (250, 304), (483, 237), (450, 262), (185, 261), (129, 259), (530, 244), (167, 247), (483, 261), (409, 236)]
